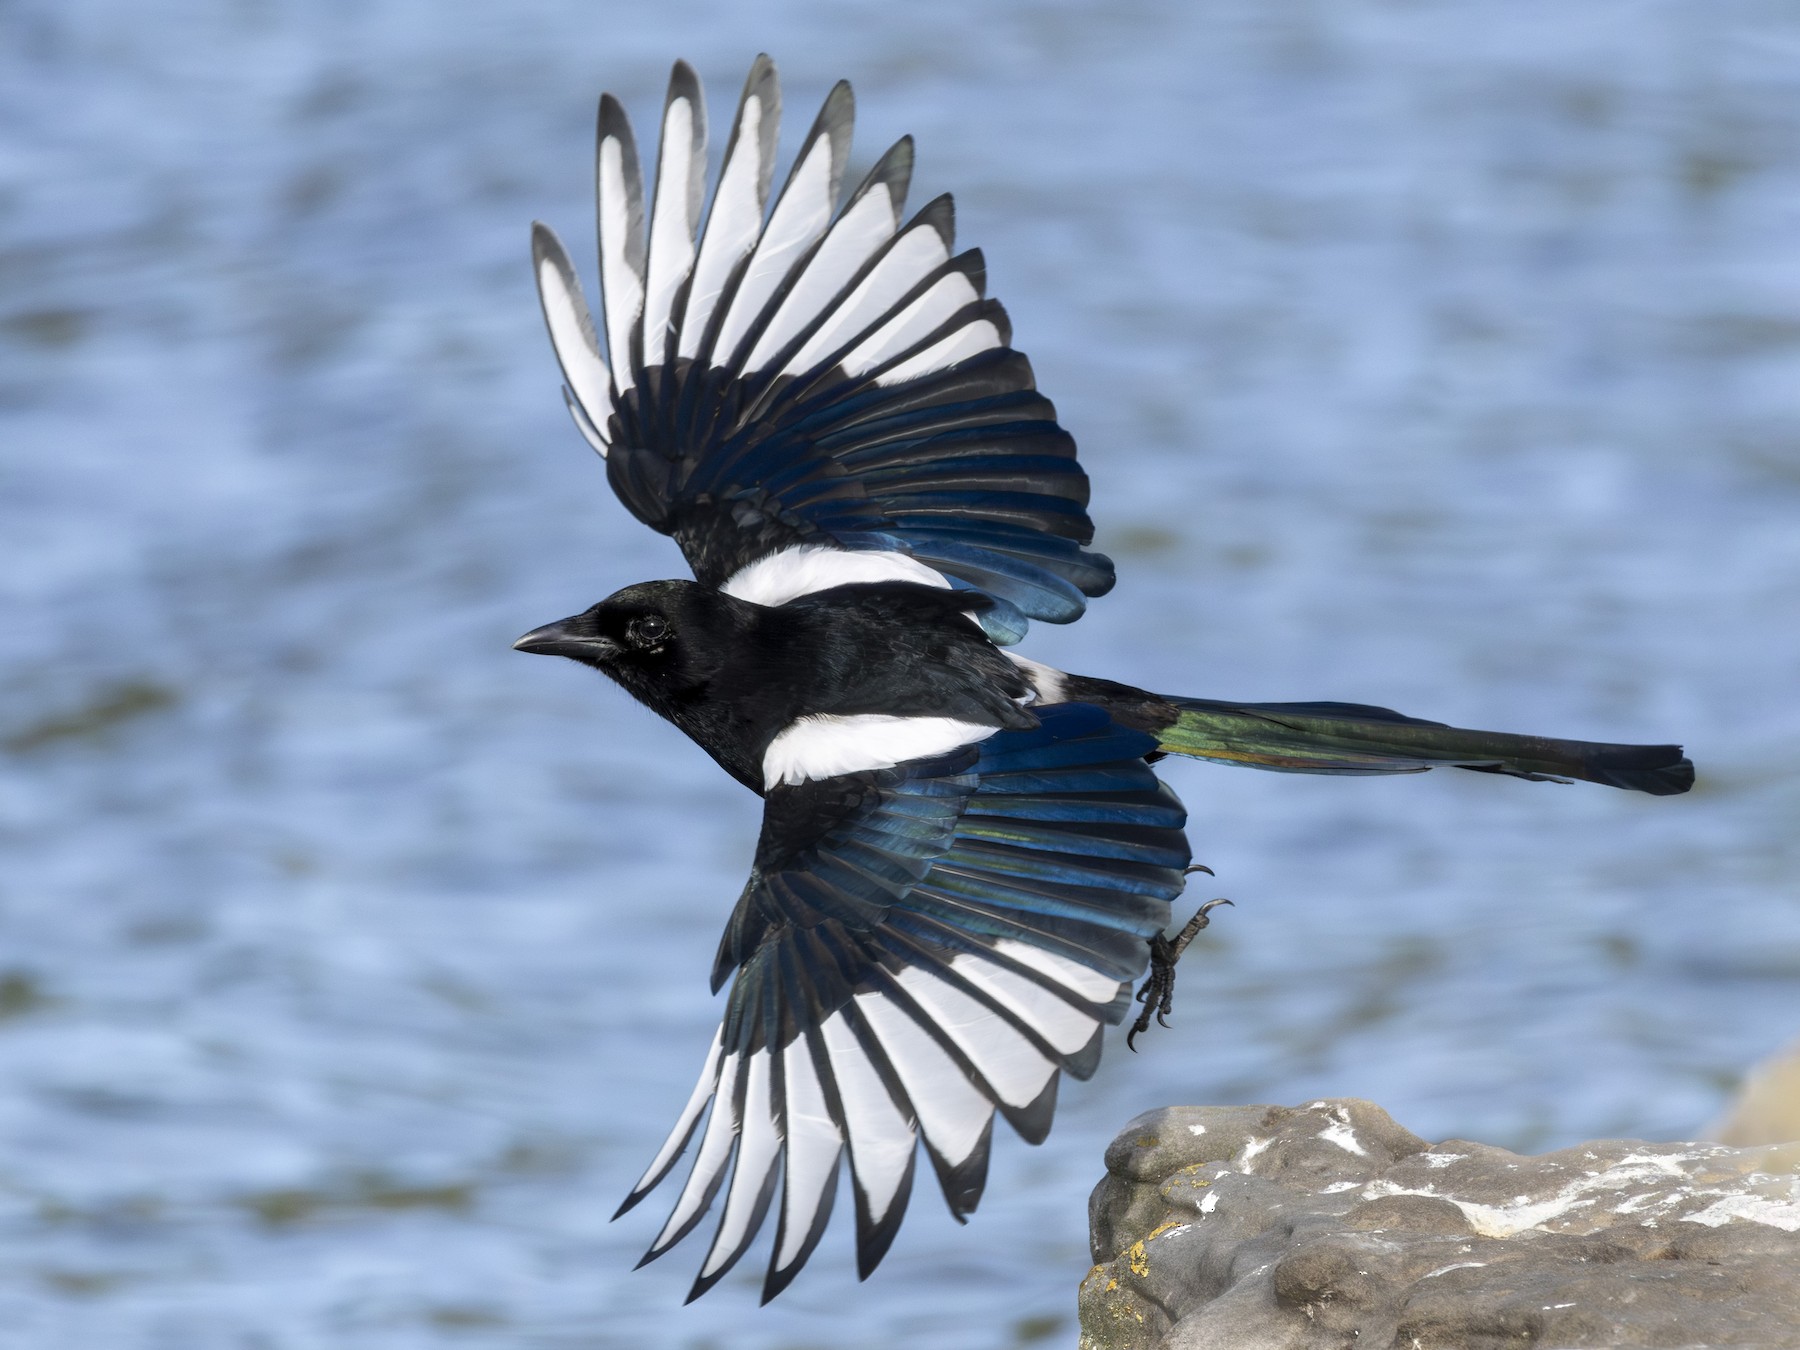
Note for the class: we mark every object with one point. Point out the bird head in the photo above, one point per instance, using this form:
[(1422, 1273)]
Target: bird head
[(662, 640)]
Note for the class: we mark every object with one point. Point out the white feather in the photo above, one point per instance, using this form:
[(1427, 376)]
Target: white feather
[(800, 217), (589, 432), (915, 255), (1066, 1028), (806, 568), (916, 321), (1050, 683), (684, 1123), (970, 340), (715, 1152), (758, 1143), (1011, 1064), (855, 236), (813, 1144), (573, 339), (731, 229), (621, 283), (951, 1110), (881, 1139), (672, 222), (1072, 975), (825, 745)]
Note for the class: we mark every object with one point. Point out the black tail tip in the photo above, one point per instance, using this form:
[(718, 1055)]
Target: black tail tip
[(1662, 771)]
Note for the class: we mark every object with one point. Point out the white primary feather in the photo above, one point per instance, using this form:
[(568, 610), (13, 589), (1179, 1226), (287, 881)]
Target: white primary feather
[(809, 1161), (853, 239), (592, 434), (684, 1123), (1009, 1062), (621, 256), (807, 568), (881, 1139), (1067, 1029), (916, 321), (673, 219), (952, 1112), (800, 217), (758, 1144), (1050, 683), (572, 336), (1072, 975), (731, 228), (825, 745), (715, 1152), (915, 254), (970, 340)]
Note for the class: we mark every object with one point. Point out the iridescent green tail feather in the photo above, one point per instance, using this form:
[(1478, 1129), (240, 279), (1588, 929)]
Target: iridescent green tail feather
[(1354, 738)]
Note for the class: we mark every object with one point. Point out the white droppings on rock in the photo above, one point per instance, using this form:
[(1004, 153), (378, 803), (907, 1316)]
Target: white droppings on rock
[(1670, 1164), (1454, 1265), (1585, 1192), (1777, 1213), (1209, 1202), (1435, 1159), (1196, 1130), (1337, 1186), (1340, 1133)]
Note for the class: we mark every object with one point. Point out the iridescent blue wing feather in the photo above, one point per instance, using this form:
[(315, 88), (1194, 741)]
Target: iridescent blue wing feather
[(825, 378), (918, 949)]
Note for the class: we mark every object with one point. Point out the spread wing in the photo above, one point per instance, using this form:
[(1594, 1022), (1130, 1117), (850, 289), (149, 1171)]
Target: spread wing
[(919, 948), (814, 392)]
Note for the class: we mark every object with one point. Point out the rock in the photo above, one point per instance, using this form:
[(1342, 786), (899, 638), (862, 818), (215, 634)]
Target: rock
[(1287, 1228)]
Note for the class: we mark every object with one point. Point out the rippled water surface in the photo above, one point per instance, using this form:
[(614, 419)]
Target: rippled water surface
[(351, 965)]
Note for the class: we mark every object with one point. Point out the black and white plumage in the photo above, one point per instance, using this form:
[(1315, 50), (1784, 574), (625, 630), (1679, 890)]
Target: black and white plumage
[(964, 853)]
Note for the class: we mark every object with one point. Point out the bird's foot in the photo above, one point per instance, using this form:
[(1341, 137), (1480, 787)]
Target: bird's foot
[(1158, 991)]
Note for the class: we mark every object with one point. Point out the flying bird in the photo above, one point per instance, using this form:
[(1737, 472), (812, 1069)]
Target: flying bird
[(966, 859)]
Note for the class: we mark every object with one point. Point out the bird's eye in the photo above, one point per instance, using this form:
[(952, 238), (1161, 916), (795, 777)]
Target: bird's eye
[(647, 631)]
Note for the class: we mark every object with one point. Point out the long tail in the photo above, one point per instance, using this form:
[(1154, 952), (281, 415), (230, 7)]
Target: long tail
[(1354, 738)]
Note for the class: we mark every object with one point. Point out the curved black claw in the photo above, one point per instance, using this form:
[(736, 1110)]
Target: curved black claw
[(1157, 993)]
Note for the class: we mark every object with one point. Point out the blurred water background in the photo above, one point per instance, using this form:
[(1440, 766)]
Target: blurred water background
[(351, 965)]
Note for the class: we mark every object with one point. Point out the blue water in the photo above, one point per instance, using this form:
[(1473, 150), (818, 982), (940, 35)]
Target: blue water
[(352, 965)]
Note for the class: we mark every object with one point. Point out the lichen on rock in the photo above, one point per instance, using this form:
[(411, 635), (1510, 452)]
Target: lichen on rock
[(1287, 1228)]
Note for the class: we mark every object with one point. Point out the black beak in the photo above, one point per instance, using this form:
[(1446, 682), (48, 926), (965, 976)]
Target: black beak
[(568, 637)]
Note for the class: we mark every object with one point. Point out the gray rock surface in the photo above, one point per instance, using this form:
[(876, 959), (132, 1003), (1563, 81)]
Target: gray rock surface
[(1258, 1227)]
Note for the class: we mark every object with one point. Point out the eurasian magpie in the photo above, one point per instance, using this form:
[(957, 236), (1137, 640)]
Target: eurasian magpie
[(965, 858)]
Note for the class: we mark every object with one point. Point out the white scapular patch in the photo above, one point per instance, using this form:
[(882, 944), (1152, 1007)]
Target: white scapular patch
[(807, 568), (825, 745), (1047, 680)]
